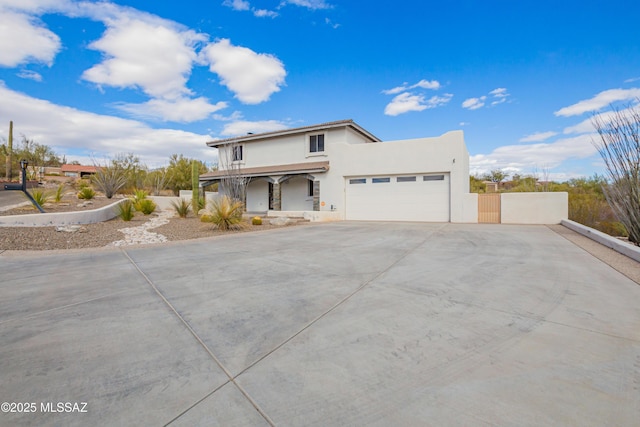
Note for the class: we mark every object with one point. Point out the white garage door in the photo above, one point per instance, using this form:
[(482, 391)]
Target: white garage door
[(398, 198)]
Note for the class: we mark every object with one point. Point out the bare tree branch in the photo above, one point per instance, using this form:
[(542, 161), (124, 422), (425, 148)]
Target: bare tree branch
[(619, 147)]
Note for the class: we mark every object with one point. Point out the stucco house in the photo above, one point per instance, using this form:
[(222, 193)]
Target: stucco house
[(338, 170)]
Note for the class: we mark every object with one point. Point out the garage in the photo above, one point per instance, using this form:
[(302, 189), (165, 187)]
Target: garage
[(419, 197)]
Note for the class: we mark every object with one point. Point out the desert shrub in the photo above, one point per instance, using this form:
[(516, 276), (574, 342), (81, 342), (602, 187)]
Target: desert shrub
[(181, 207), (81, 183), (202, 203), (146, 206), (139, 195), (86, 193), (225, 213), (40, 196), (256, 220), (125, 210), (109, 179), (57, 197)]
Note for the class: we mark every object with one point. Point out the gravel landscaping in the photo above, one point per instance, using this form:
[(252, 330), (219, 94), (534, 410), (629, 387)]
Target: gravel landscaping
[(101, 234)]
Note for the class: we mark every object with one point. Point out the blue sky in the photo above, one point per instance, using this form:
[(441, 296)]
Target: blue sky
[(521, 79)]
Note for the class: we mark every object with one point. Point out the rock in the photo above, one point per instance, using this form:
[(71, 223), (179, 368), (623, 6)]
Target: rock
[(280, 221), (85, 204), (71, 228)]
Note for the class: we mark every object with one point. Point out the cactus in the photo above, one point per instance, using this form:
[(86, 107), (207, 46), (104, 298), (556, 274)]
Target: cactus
[(195, 193), (9, 152)]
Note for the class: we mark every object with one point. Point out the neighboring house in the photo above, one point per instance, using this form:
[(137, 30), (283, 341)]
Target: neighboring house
[(78, 170), (342, 171)]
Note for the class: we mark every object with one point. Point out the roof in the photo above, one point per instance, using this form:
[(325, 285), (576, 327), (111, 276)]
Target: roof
[(273, 134), (79, 168), (291, 169)]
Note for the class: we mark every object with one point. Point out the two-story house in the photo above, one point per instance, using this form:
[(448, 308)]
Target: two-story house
[(340, 170)]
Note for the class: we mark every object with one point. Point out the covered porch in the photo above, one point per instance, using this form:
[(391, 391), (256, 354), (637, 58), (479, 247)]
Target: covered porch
[(292, 187)]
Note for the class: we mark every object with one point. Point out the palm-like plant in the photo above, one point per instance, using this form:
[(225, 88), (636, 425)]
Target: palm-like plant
[(182, 207), (225, 213), (40, 196), (125, 210), (109, 179)]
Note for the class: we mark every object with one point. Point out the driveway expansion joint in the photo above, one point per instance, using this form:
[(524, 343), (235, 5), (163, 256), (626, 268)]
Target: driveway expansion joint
[(202, 343)]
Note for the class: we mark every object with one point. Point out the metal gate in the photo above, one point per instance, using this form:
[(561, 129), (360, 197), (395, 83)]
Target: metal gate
[(489, 208)]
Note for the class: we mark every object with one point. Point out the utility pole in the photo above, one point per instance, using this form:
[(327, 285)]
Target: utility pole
[(9, 152)]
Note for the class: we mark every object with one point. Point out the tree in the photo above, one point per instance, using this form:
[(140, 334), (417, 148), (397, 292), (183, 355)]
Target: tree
[(36, 154), (233, 183), (496, 175), (619, 146), (134, 171), (179, 172)]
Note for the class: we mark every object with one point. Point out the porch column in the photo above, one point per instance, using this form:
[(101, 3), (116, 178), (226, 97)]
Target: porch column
[(316, 195), (277, 204)]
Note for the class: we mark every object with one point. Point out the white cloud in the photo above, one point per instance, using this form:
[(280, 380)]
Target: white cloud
[(499, 95), (538, 136), (310, 4), (242, 5), (253, 77), (264, 13), (237, 4), (67, 129), (500, 92), (156, 58), (635, 79), (527, 157), (406, 102), (586, 126), (426, 84), (599, 101), (474, 103), (36, 42), (244, 127), (423, 84), (30, 75), (331, 24), (183, 110)]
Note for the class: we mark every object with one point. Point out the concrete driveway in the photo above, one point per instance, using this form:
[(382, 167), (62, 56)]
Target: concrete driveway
[(334, 324)]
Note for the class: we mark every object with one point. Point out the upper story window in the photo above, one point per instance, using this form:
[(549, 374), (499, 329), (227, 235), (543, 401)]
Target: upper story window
[(236, 154), (316, 143)]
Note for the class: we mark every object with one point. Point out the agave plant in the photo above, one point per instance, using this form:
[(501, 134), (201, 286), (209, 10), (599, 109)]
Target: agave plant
[(57, 197), (146, 206), (40, 196), (125, 210), (182, 207), (225, 213)]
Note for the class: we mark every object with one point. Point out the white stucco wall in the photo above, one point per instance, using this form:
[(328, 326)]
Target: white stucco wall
[(258, 196), (470, 208), (534, 208), (290, 149), (294, 195), (444, 154)]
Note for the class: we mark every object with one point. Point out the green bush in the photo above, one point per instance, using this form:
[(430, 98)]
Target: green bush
[(181, 207), (256, 220), (146, 206), (139, 195), (125, 210), (86, 193), (225, 213)]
